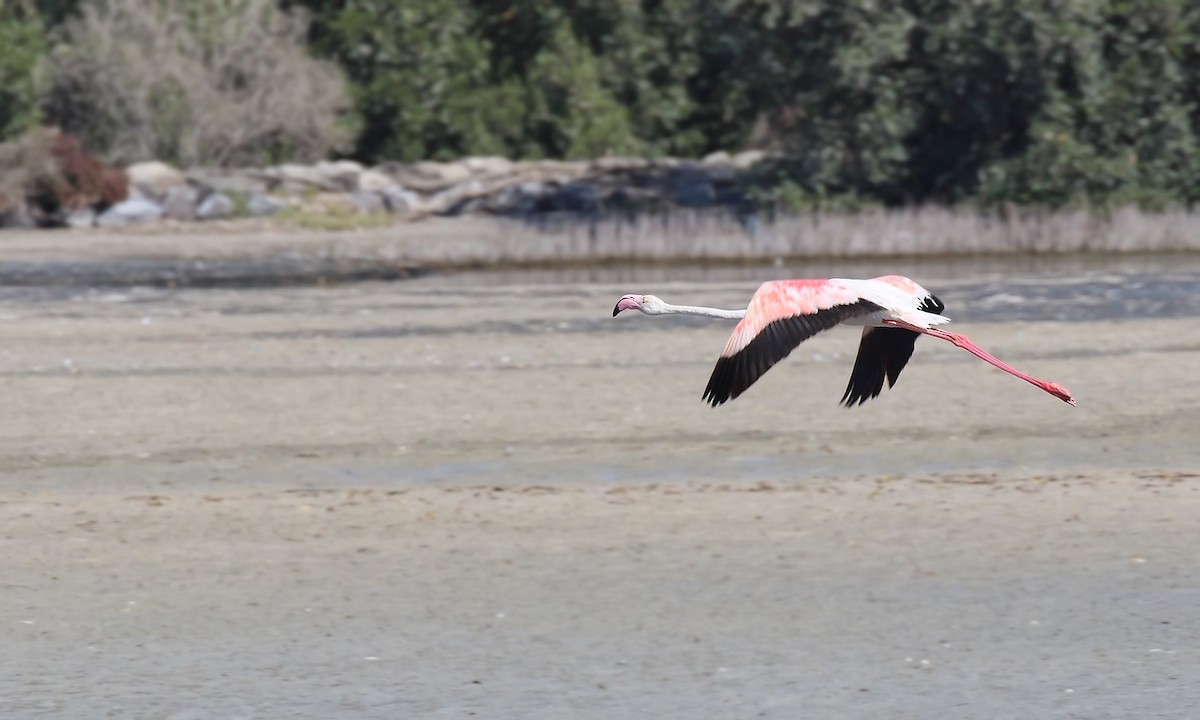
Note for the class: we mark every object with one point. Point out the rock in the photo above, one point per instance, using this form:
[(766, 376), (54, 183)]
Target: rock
[(746, 158), (517, 199), (490, 166), (446, 202), (368, 202), (666, 163), (341, 175), (690, 186), (80, 218), (699, 195), (613, 163), (375, 181), (17, 215), (330, 203), (573, 197), (400, 200), (721, 174), (467, 207), (293, 178), (128, 212), (260, 205), (179, 202), (395, 198), (232, 182), (485, 183), (635, 199), (429, 177), (154, 178), (215, 206), (557, 171)]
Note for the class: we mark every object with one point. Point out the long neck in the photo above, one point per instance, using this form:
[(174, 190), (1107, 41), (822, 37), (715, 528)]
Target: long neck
[(669, 309)]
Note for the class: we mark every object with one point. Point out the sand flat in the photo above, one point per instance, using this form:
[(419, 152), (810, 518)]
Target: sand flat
[(419, 500)]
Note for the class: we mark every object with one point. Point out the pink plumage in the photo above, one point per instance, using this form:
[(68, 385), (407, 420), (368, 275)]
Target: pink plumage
[(781, 299), (894, 309)]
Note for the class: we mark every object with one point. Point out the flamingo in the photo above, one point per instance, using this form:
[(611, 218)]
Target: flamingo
[(894, 309)]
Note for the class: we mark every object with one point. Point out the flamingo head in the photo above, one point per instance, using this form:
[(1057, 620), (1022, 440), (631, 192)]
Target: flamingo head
[(629, 302), (647, 304)]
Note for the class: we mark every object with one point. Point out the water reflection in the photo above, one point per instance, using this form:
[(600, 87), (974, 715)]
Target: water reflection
[(976, 289), (924, 269), (980, 288)]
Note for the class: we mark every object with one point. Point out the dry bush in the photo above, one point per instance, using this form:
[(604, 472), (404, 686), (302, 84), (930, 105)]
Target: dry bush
[(226, 83), (46, 171)]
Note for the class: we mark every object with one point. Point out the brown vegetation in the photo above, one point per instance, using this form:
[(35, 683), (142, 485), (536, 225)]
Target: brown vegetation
[(720, 237), (46, 172)]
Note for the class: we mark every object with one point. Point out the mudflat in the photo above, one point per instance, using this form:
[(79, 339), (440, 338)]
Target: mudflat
[(438, 499)]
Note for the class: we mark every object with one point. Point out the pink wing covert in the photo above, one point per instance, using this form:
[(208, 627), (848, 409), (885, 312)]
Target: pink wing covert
[(782, 314), (781, 299)]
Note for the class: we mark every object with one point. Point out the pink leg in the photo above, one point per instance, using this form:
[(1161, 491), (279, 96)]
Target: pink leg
[(1054, 389)]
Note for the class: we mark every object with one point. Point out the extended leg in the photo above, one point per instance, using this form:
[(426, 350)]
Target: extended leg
[(961, 341)]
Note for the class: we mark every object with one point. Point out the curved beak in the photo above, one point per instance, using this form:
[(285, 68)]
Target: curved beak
[(629, 302)]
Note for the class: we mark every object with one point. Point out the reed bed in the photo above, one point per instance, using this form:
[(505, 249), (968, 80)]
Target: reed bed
[(721, 236)]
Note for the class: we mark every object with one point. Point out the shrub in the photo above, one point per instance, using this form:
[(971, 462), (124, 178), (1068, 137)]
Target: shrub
[(46, 172), (224, 83)]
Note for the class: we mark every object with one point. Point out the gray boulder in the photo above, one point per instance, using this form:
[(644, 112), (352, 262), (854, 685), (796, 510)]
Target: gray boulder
[(260, 205), (400, 200), (395, 197), (518, 199), (80, 218), (447, 202), (294, 178), (573, 197), (340, 175), (616, 163), (368, 202), (154, 179), (429, 177), (215, 207), (179, 202), (246, 182), (489, 166), (375, 181), (690, 186), (128, 212), (17, 216), (747, 158)]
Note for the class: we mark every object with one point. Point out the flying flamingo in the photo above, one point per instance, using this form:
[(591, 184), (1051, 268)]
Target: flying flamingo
[(784, 313)]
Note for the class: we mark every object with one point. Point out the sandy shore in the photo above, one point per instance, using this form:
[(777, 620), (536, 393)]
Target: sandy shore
[(427, 500)]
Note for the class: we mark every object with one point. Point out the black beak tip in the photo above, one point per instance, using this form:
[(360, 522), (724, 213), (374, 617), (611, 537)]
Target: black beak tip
[(616, 309)]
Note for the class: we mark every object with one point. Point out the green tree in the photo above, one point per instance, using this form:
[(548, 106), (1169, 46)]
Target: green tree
[(1118, 123), (419, 76), (571, 113), (1031, 101), (24, 43)]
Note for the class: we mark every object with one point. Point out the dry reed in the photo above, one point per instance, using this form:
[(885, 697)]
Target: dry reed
[(715, 236)]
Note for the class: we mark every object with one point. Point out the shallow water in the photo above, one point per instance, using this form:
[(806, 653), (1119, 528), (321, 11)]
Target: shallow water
[(1031, 288), (979, 289)]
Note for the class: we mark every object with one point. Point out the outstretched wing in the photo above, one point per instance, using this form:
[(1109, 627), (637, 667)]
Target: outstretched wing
[(882, 353), (782, 314)]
